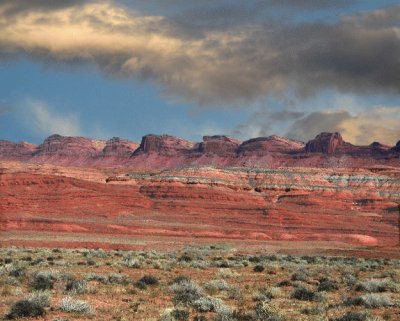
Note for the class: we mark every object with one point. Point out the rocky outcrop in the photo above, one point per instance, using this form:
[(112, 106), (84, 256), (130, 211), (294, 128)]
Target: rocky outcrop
[(164, 145), (117, 147), (165, 151), (57, 145), (378, 145), (219, 145), (68, 151), (16, 151), (326, 143), (270, 144)]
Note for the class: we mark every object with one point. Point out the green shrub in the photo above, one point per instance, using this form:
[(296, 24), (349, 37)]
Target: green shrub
[(353, 316), (300, 275), (265, 311), (186, 292), (225, 315), (373, 285), (327, 285), (284, 283), (17, 272), (371, 300), (207, 304), (185, 258), (25, 308), (349, 279), (146, 280), (180, 279), (305, 294), (33, 306), (96, 277), (131, 263), (115, 278), (42, 298), (43, 281), (217, 285), (267, 294), (317, 310), (76, 286), (259, 268), (180, 314)]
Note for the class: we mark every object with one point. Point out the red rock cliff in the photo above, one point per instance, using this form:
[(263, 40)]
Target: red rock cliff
[(324, 143)]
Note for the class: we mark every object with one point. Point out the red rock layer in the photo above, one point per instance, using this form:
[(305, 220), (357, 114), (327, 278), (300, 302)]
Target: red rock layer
[(325, 143), (353, 206), (16, 151)]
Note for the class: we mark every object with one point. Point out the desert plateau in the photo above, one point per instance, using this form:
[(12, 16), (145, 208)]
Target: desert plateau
[(190, 160)]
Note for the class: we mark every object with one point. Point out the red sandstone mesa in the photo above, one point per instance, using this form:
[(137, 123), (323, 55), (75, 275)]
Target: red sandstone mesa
[(263, 189), (165, 151), (325, 143)]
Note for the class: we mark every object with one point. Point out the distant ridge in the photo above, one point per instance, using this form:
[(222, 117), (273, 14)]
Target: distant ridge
[(165, 151)]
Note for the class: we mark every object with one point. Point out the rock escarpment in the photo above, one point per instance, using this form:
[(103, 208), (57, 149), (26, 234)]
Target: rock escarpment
[(270, 144), (325, 143), (16, 151), (165, 151), (57, 145), (219, 145), (164, 145), (249, 204), (117, 147)]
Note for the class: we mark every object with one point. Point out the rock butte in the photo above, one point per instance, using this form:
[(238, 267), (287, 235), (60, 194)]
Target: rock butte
[(262, 190), (165, 151)]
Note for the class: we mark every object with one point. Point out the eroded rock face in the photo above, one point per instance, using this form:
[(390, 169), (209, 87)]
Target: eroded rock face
[(165, 151), (356, 206), (219, 145), (326, 143), (57, 145), (117, 147), (17, 151), (164, 144), (270, 144)]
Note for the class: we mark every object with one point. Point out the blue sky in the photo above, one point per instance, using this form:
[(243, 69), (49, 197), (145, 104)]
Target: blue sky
[(189, 68), (100, 106)]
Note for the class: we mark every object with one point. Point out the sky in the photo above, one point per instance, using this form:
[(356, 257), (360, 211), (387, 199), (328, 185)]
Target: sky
[(190, 68)]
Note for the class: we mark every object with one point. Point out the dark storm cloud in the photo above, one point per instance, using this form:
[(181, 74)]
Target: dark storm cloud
[(350, 56), (212, 53), (311, 4), (265, 123), (378, 123), (304, 4)]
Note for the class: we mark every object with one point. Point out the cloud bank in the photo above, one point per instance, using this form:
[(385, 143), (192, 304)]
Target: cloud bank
[(196, 61), (358, 127)]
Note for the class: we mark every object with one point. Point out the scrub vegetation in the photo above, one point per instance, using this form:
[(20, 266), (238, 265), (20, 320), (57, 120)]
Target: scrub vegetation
[(211, 282)]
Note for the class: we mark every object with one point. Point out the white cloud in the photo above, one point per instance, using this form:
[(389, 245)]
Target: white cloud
[(43, 120)]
